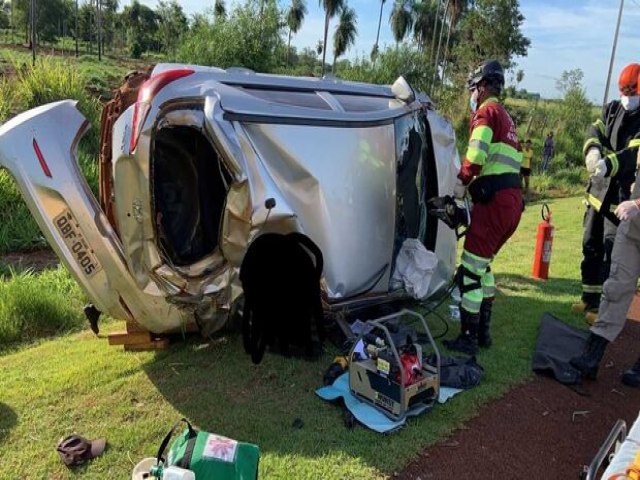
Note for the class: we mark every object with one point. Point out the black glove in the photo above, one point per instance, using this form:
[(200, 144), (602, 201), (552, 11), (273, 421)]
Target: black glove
[(447, 210)]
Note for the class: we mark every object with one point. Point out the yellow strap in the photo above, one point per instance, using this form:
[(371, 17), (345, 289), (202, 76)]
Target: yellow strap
[(590, 142), (593, 201), (615, 165)]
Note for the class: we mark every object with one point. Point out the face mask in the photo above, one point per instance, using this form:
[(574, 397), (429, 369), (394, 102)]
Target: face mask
[(473, 101), (630, 103)]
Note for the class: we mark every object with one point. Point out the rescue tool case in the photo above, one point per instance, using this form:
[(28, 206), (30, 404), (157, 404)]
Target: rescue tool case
[(377, 373)]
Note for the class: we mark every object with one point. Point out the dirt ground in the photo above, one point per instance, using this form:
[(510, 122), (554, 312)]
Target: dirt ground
[(36, 260), (540, 430)]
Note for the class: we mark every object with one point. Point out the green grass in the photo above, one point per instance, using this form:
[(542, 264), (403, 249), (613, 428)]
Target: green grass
[(34, 306), (18, 229), (81, 384), (561, 181)]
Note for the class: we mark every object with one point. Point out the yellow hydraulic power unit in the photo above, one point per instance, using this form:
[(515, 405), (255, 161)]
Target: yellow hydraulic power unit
[(387, 366)]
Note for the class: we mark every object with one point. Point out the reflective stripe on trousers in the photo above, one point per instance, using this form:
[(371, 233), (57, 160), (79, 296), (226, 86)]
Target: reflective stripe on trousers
[(473, 291)]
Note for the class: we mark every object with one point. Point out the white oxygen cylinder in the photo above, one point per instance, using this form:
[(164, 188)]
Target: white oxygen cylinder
[(177, 473)]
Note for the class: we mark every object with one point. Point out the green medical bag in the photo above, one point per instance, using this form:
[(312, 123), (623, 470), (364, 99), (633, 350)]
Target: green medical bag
[(211, 456)]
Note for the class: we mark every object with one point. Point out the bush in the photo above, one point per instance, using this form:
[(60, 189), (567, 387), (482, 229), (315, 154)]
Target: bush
[(7, 100), (560, 182), (245, 39), (389, 65), (136, 49), (51, 80)]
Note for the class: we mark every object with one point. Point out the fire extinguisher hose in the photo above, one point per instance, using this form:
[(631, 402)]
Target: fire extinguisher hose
[(545, 212)]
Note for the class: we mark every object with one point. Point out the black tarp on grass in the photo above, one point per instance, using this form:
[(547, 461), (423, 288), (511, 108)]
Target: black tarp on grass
[(557, 344)]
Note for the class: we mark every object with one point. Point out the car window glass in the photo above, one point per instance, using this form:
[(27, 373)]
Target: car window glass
[(360, 103), (298, 99)]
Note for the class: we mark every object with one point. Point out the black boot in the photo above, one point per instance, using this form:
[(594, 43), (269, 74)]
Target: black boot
[(589, 362), (467, 341), (632, 376), (484, 328)]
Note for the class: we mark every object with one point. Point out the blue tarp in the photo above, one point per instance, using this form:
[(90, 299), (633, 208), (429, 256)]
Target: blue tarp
[(369, 415)]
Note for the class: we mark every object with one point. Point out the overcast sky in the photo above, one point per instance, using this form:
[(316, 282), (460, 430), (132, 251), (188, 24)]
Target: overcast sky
[(564, 34)]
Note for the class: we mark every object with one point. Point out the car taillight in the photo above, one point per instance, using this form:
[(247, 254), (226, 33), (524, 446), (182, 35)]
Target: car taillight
[(147, 92), (41, 159)]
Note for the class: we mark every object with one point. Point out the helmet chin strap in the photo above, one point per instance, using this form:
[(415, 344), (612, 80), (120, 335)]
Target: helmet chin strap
[(483, 94)]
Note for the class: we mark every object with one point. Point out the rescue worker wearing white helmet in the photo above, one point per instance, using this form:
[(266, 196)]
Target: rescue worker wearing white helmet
[(619, 133)]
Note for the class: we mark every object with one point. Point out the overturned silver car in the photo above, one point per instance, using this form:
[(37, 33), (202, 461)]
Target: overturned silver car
[(205, 160)]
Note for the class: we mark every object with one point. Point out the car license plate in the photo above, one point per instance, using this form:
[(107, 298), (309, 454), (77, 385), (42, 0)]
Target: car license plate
[(70, 231)]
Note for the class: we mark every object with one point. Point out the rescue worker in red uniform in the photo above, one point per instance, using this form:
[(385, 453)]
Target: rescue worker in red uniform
[(491, 171), (613, 135)]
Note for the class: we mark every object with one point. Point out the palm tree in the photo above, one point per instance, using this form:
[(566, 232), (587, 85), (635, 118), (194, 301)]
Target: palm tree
[(346, 32), (374, 52), (219, 9), (423, 22), (401, 20), (331, 7), (437, 62), (435, 30), (456, 9), (295, 17)]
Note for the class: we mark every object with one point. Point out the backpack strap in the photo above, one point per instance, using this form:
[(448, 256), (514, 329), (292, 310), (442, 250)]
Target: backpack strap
[(185, 461), (192, 435)]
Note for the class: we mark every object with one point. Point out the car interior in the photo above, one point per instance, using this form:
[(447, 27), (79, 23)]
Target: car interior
[(189, 187)]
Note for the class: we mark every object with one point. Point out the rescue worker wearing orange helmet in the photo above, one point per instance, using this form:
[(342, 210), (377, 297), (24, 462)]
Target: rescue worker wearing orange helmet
[(491, 170), (613, 136), (621, 127)]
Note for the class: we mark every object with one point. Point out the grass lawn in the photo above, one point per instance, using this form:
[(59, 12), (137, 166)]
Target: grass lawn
[(78, 383)]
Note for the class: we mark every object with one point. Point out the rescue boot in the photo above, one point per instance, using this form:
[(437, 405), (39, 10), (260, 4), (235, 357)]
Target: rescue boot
[(591, 317), (467, 341), (484, 327), (631, 377), (590, 303), (589, 362)]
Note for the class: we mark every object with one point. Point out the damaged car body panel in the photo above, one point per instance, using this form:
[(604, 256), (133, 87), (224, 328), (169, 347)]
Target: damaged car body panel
[(205, 160), (41, 157)]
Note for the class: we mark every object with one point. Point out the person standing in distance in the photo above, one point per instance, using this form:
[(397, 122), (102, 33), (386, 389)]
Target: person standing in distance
[(548, 149)]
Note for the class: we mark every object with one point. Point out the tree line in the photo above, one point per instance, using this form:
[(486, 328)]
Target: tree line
[(450, 35)]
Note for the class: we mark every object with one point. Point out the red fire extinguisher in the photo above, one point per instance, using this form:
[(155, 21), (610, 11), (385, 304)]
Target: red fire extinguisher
[(544, 240)]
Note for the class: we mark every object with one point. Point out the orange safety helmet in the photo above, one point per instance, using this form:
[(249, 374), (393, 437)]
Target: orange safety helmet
[(628, 80)]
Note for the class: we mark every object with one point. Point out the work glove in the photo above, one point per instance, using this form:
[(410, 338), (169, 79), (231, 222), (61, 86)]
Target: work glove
[(459, 189), (600, 170), (591, 159), (627, 210)]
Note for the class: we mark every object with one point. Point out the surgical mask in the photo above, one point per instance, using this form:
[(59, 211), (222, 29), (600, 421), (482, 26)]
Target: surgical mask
[(630, 103), (473, 101)]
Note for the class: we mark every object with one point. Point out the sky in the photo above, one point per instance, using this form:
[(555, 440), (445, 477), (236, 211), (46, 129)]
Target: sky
[(564, 34)]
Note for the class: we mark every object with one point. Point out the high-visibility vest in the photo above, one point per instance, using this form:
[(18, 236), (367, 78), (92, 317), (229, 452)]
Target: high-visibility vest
[(488, 145)]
